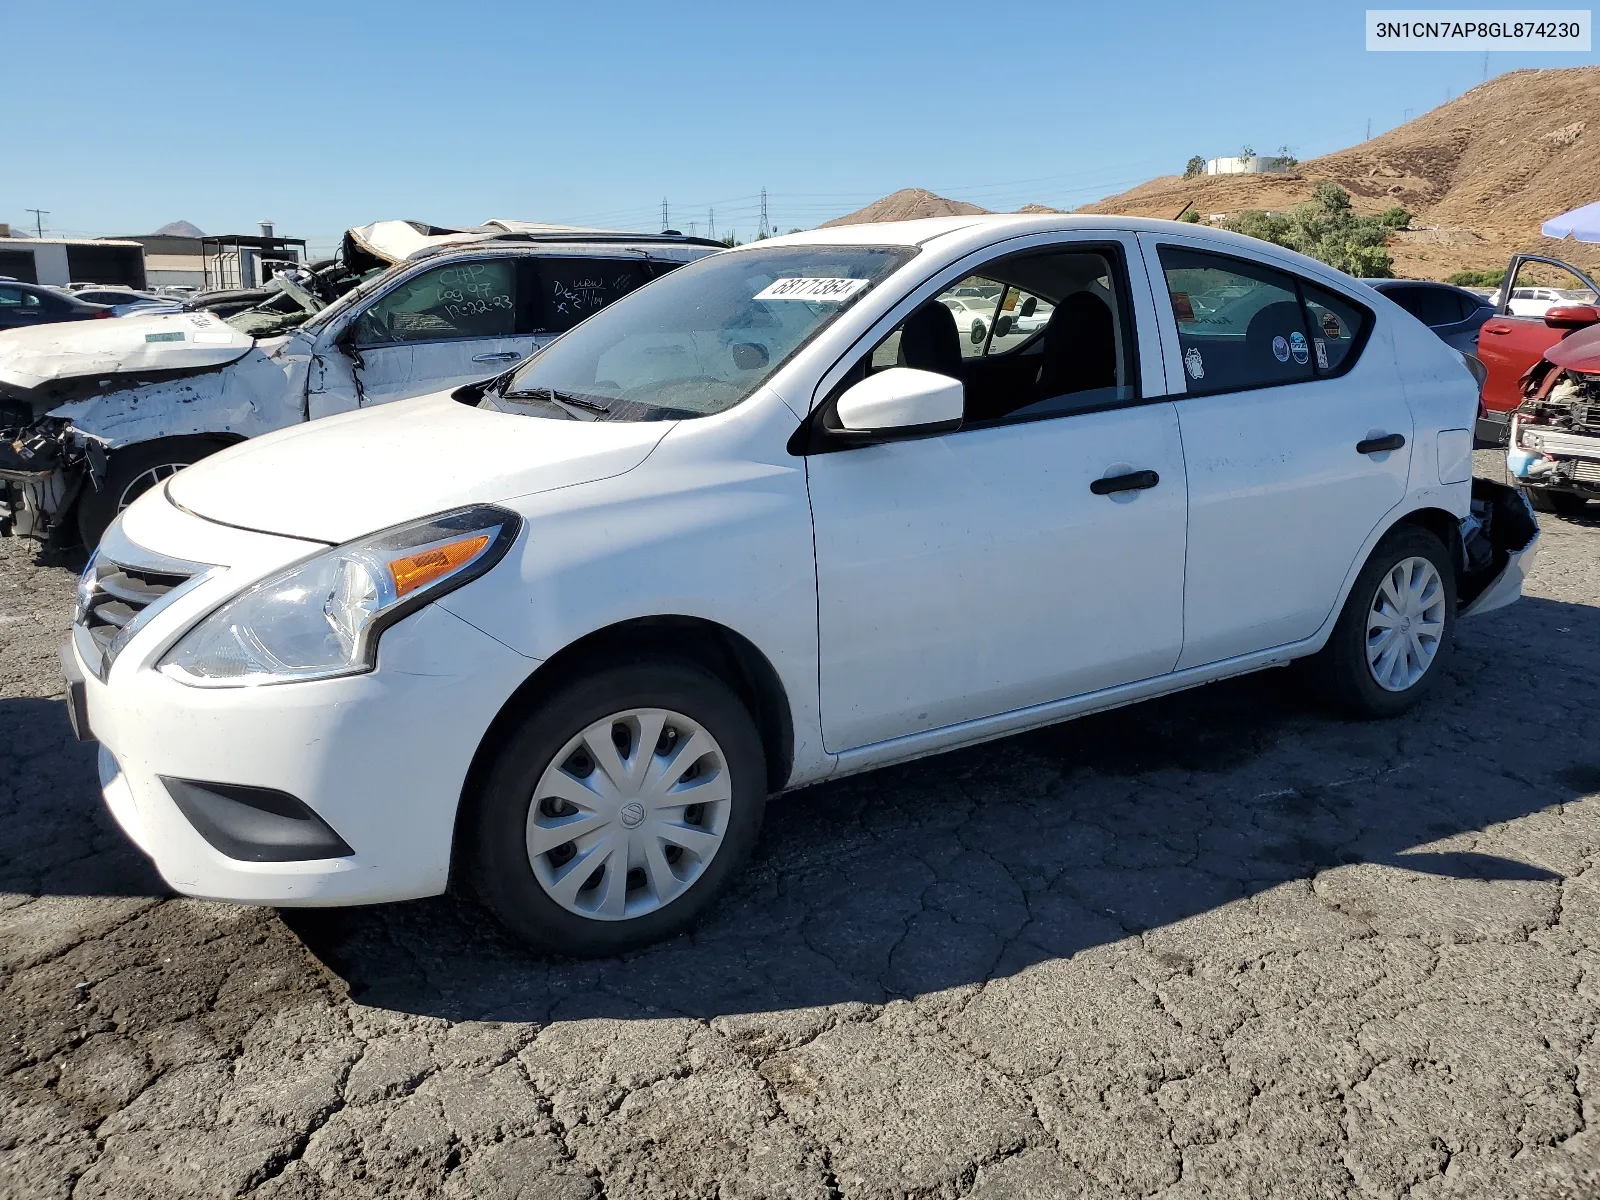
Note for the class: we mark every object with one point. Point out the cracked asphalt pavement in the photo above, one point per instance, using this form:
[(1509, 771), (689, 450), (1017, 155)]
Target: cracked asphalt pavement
[(1215, 945)]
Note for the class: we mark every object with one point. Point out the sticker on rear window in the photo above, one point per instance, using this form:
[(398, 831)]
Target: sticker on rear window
[(1298, 347), (1195, 365), (176, 336), (1322, 353), (1280, 348), (828, 291)]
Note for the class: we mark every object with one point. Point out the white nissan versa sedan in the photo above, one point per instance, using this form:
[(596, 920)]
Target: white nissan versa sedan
[(765, 521)]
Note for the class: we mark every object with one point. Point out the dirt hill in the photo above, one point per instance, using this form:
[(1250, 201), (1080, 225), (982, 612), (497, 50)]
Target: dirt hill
[(908, 204), (1479, 175)]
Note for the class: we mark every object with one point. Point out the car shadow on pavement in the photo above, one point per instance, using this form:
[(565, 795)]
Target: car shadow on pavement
[(966, 866), (56, 836)]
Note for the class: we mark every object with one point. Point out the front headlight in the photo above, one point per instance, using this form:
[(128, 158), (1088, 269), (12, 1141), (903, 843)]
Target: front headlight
[(322, 617)]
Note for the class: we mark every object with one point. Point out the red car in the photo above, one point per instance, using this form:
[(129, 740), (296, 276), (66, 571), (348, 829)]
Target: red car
[(1555, 432), (1514, 340)]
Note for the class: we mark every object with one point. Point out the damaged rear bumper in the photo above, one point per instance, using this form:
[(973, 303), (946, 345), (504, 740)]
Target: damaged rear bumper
[(1499, 540)]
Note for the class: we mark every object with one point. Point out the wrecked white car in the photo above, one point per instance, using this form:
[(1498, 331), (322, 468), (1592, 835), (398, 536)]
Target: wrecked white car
[(91, 418)]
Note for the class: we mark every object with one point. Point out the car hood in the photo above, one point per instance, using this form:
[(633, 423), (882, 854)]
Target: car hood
[(1578, 351), (163, 342), (341, 477)]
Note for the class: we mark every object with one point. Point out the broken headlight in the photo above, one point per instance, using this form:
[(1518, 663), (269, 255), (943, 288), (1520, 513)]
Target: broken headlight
[(322, 616)]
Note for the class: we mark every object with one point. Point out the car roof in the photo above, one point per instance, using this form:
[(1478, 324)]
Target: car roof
[(955, 235)]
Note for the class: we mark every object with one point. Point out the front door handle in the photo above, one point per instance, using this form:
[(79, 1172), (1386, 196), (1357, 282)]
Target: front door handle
[(1498, 328), (502, 356), (1134, 481), (1377, 445)]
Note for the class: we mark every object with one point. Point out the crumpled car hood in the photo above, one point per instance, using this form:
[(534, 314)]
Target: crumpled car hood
[(1578, 351), (74, 349), (338, 478)]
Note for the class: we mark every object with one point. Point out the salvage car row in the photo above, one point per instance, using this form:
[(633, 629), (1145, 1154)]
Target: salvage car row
[(761, 519)]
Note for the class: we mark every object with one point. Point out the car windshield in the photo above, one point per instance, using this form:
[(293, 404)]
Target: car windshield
[(699, 340)]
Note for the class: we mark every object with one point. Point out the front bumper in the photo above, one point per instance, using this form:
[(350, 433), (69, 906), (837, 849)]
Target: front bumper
[(380, 757)]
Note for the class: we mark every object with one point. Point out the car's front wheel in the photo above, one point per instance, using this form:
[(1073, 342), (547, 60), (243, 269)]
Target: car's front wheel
[(132, 472), (619, 809), (1395, 632), (1565, 504)]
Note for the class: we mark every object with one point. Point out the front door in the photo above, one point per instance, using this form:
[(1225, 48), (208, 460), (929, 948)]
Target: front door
[(1297, 439), (1516, 336), (986, 570)]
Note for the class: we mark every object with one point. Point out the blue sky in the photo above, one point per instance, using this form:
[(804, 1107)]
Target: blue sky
[(321, 116)]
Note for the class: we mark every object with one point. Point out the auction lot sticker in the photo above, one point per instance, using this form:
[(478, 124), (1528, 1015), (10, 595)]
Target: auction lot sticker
[(833, 291), (1561, 30)]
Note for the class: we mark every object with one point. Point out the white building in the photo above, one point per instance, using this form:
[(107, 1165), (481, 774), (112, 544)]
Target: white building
[(60, 261), (1259, 164)]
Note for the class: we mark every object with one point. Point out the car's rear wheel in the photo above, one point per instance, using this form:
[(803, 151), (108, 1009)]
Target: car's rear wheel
[(132, 472), (619, 809), (1565, 504), (1395, 632)]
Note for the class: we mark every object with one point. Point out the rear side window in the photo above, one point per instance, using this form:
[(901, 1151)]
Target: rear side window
[(570, 289), (1244, 325)]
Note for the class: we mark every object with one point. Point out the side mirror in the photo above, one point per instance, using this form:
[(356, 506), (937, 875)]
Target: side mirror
[(899, 403), (1571, 316)]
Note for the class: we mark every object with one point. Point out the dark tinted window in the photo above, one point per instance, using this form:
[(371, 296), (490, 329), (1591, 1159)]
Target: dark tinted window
[(12, 297), (1430, 305), (570, 289), (1240, 324)]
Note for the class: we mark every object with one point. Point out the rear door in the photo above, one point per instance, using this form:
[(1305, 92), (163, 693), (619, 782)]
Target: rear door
[(1286, 388)]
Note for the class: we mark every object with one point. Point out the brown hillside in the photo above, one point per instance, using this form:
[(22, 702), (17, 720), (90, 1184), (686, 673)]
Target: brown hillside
[(908, 204), (1479, 175)]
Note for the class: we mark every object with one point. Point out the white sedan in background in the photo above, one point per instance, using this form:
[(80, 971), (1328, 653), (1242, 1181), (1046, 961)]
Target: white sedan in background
[(761, 523)]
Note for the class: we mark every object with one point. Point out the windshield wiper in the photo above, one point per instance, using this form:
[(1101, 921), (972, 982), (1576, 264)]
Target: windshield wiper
[(555, 397)]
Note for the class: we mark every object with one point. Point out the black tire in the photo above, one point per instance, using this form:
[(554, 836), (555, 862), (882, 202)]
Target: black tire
[(1564, 504), (500, 870), (128, 468), (1340, 672)]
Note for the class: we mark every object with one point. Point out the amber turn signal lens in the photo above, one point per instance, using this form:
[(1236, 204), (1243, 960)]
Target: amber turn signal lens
[(415, 570)]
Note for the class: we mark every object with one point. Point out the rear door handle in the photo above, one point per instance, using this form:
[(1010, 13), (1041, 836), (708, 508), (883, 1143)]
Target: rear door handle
[(1377, 445), (1134, 481), (1498, 328), (503, 356)]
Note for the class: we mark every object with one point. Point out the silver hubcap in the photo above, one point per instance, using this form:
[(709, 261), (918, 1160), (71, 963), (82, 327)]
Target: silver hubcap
[(1404, 624), (145, 480), (629, 814)]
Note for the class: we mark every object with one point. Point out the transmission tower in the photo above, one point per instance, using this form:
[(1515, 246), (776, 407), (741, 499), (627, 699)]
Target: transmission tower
[(664, 223), (711, 224), (763, 230)]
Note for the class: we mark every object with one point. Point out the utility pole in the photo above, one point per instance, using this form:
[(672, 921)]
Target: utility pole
[(1407, 117), (664, 225), (1369, 129), (39, 214), (1486, 67), (763, 231)]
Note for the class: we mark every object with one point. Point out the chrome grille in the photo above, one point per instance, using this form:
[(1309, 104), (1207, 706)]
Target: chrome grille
[(1586, 472), (122, 584)]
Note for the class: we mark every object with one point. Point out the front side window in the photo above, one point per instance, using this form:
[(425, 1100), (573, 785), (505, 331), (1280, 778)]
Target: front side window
[(471, 299), (11, 297), (1039, 334), (1245, 325), (1540, 286), (700, 339)]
